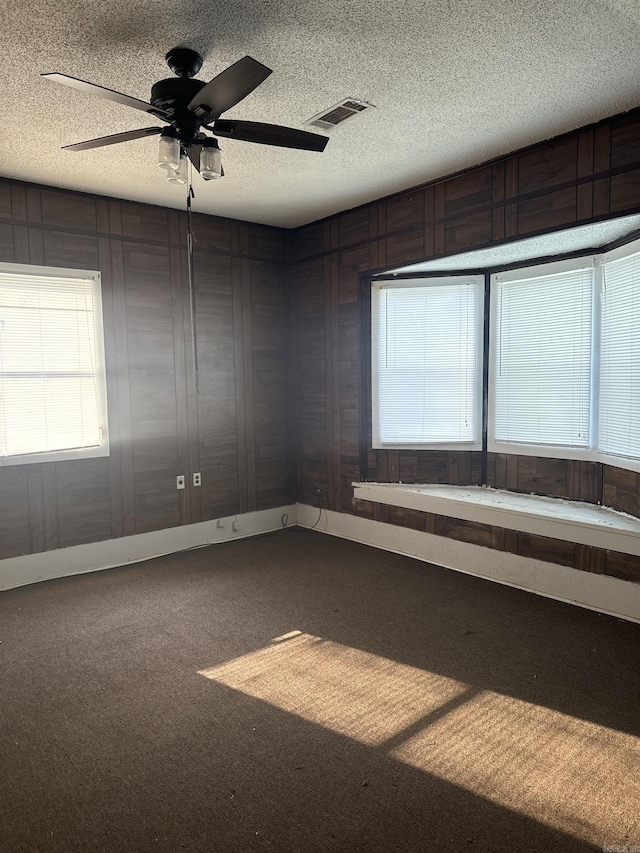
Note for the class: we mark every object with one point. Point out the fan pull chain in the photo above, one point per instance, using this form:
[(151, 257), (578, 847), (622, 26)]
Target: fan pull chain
[(192, 293)]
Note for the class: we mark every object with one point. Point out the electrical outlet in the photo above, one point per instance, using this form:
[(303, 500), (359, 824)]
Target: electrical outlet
[(197, 481), (180, 481)]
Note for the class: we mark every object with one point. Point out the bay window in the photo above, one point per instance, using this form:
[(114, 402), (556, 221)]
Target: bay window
[(561, 361)]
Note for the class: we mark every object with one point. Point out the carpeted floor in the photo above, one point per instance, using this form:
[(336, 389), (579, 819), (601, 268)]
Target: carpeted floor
[(301, 693)]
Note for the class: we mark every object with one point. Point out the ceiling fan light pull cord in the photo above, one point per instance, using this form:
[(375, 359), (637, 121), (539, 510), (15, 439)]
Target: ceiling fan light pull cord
[(192, 291)]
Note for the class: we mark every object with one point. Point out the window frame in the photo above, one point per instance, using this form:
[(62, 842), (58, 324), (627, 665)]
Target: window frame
[(524, 273), (596, 260), (93, 451), (632, 247), (422, 281)]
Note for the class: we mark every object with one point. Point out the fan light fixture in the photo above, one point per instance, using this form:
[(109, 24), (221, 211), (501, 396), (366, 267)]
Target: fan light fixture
[(191, 108), (172, 158), (179, 175), (210, 160), (169, 151)]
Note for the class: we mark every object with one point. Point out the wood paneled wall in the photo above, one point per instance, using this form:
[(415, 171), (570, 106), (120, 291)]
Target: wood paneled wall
[(581, 177), (236, 432), (267, 338)]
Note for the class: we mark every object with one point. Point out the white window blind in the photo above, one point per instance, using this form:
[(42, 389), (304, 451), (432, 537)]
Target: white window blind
[(541, 365), (52, 396), (619, 411), (427, 362)]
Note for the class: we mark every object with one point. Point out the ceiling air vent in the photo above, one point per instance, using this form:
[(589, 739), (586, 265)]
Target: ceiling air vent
[(339, 113)]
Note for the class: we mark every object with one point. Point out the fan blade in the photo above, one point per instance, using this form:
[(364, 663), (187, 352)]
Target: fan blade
[(270, 134), (102, 92), (194, 154), (113, 139), (229, 87)]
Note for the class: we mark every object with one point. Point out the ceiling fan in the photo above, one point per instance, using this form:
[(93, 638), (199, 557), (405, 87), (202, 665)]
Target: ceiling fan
[(190, 107)]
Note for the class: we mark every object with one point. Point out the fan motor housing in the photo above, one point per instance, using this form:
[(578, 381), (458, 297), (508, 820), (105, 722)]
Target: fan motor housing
[(173, 96), (174, 93)]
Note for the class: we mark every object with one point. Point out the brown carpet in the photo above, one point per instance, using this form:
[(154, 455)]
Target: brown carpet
[(301, 693)]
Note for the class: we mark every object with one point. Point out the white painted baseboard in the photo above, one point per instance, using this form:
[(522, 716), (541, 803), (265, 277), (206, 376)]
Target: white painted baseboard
[(95, 556), (594, 592)]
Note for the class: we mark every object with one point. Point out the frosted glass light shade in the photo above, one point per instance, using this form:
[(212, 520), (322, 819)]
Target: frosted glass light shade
[(179, 176), (169, 153), (210, 162)]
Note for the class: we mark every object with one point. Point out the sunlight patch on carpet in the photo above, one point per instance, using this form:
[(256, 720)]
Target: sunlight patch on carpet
[(354, 693), (531, 759)]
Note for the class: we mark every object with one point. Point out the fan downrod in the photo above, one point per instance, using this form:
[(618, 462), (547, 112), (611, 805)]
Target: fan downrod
[(184, 62)]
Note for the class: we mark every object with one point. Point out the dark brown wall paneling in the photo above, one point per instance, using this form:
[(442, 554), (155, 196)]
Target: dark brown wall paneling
[(152, 385), (593, 482), (621, 490), (308, 242), (269, 341), (67, 210), (580, 177), (353, 227), (6, 204), (583, 557), (80, 502), (625, 141), (349, 264), (407, 518), (113, 388), (6, 243), (332, 358), (217, 413), (585, 168), (15, 535), (236, 432), (468, 193), (242, 368), (623, 566), (548, 211), (547, 166), (312, 435), (467, 210)]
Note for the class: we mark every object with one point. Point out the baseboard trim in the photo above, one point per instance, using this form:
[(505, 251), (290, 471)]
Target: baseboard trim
[(96, 556), (594, 592), (604, 594)]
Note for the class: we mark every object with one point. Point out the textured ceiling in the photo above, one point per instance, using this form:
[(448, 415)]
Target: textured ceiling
[(455, 82)]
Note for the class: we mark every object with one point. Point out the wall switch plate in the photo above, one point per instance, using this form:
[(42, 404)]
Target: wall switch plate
[(180, 481), (197, 480)]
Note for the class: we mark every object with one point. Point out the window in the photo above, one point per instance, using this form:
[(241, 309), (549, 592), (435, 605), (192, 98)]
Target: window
[(565, 359), (52, 378), (619, 380), (541, 355), (427, 339), (562, 360)]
